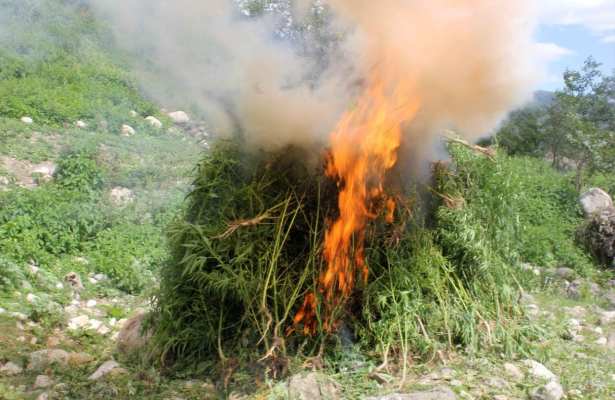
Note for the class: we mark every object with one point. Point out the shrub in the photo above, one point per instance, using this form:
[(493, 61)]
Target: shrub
[(79, 172)]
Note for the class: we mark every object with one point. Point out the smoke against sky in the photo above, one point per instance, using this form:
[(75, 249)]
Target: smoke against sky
[(471, 61)]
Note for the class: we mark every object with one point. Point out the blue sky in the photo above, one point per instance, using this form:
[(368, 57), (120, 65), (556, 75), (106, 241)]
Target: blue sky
[(572, 30)]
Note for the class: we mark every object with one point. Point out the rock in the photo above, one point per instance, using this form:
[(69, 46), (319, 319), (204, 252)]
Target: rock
[(27, 120), (90, 303), (312, 386), (100, 277), (599, 236), (43, 396), (10, 369), (595, 200), (40, 360), (442, 393), (601, 341), (74, 280), (42, 382), (606, 317), (133, 113), (104, 369), (131, 337), (31, 298), (81, 124), (550, 391), (513, 371), (127, 130), (79, 322), (46, 170), (179, 117), (2, 311), (611, 341), (121, 196), (565, 273), (154, 122), (538, 370), (77, 359)]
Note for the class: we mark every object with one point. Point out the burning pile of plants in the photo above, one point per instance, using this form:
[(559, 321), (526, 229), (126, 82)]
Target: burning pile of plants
[(251, 271)]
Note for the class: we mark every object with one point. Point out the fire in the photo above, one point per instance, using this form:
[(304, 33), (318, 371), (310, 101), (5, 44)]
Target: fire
[(364, 147)]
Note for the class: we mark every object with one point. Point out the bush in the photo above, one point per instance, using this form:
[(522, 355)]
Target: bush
[(128, 254), (79, 172)]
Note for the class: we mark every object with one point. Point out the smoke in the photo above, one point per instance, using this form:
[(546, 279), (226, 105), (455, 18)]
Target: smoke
[(471, 61)]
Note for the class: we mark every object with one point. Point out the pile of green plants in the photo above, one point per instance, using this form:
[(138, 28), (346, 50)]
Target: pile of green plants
[(445, 275)]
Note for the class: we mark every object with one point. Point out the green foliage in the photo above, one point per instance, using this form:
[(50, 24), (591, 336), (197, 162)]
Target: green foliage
[(48, 221), (11, 275), (128, 254), (79, 172)]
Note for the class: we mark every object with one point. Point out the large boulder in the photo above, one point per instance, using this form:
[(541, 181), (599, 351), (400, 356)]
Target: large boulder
[(599, 236), (133, 337), (179, 117), (594, 201)]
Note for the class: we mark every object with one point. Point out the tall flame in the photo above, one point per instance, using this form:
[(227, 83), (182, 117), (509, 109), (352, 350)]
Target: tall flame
[(364, 147)]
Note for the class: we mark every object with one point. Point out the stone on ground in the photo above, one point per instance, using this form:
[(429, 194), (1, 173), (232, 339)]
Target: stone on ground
[(39, 360), (27, 120), (441, 393), (10, 369), (81, 124), (550, 391), (538, 370), (595, 200), (42, 382), (513, 371), (106, 368), (131, 337), (74, 280), (179, 117), (121, 196), (127, 130), (312, 386), (154, 122)]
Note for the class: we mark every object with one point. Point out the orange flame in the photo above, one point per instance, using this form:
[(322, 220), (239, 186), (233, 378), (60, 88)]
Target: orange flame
[(363, 148)]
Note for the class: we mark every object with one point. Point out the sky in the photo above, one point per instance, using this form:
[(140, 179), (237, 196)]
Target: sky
[(572, 30)]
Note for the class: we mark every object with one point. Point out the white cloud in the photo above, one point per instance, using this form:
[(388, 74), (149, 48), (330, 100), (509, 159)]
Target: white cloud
[(552, 51), (595, 15)]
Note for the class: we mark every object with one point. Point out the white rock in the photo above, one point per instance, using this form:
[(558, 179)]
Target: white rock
[(103, 330), (79, 322), (606, 317), (133, 113), (33, 269), (103, 370), (43, 396), (100, 277), (59, 285), (121, 196), (94, 324), (602, 341), (46, 169), (594, 200), (81, 124), (598, 330), (2, 310), (42, 382), (92, 280), (27, 120), (40, 360), (550, 391), (154, 122), (90, 303), (19, 316), (10, 369), (179, 117), (513, 371), (112, 322), (127, 130), (31, 298), (538, 370)]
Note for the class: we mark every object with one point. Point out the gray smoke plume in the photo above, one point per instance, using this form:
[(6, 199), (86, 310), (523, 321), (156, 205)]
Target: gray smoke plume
[(283, 72)]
